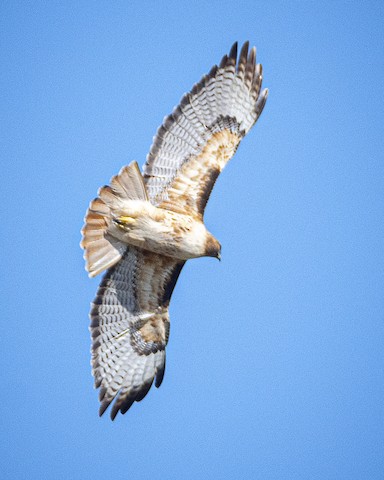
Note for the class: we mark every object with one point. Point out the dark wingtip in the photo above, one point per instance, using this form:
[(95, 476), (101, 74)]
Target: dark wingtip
[(223, 61), (243, 58), (143, 391), (160, 375), (233, 52), (252, 56), (103, 407), (122, 406), (113, 413), (244, 50)]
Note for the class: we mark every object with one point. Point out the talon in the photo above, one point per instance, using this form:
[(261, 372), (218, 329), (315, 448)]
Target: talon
[(124, 222), (126, 219)]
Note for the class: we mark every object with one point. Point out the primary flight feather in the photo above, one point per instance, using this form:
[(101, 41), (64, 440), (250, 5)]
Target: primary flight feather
[(143, 227)]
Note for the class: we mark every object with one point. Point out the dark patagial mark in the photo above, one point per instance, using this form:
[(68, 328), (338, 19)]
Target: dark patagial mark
[(206, 189), (170, 285)]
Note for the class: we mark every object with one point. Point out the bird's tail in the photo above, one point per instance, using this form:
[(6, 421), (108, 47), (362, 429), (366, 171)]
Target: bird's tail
[(101, 249)]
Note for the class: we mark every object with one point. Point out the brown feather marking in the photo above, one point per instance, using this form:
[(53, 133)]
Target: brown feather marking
[(190, 189), (155, 283), (151, 278), (156, 328)]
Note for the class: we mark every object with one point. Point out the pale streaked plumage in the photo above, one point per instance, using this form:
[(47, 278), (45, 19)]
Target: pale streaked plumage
[(143, 228)]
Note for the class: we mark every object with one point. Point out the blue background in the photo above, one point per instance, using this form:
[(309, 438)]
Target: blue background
[(275, 361)]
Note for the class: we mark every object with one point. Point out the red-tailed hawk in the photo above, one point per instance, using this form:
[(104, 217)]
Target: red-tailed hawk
[(143, 228)]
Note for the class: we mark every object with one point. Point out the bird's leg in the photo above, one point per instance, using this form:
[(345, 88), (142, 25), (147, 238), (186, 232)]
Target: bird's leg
[(124, 222)]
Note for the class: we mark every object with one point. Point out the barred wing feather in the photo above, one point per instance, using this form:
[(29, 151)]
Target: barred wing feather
[(130, 327), (196, 141)]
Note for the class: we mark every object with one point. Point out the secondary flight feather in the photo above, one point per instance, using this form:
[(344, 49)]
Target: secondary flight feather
[(143, 227)]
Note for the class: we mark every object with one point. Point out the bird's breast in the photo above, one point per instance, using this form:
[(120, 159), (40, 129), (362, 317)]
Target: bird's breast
[(162, 231)]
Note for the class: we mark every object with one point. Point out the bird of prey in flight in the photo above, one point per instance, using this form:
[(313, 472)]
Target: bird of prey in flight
[(143, 227)]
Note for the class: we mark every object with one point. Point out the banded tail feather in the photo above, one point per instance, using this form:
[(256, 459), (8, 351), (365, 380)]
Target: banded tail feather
[(102, 250)]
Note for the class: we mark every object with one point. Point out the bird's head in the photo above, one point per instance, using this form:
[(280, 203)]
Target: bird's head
[(212, 247)]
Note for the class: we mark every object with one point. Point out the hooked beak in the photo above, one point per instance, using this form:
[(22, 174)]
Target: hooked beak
[(219, 257)]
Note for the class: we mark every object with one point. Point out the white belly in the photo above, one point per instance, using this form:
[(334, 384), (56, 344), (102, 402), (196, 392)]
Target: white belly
[(160, 231)]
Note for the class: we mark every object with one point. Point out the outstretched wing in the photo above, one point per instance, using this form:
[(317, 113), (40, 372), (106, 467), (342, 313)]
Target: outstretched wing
[(196, 141), (130, 327)]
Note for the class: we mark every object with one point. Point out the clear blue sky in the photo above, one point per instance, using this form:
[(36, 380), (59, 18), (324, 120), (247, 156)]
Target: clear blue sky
[(275, 361)]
